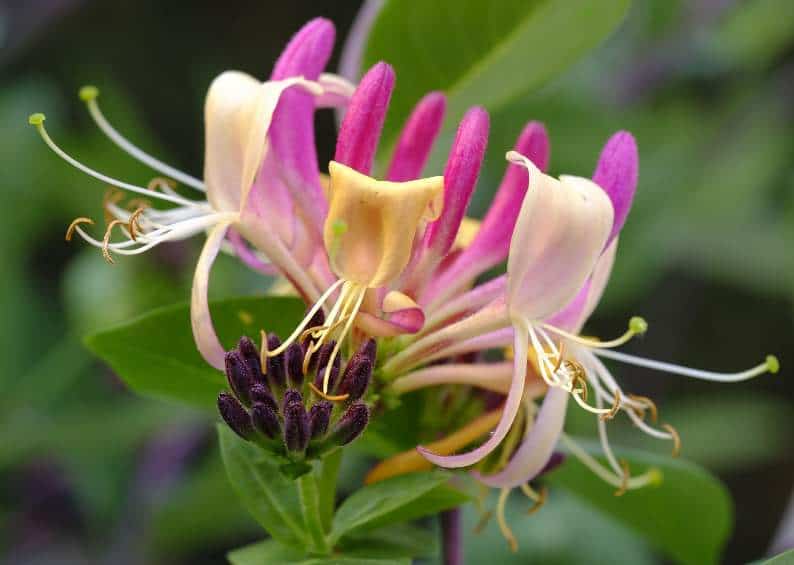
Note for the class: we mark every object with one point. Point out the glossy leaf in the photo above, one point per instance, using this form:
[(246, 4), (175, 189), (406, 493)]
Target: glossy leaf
[(396, 500), (482, 53), (267, 494), (270, 551), (399, 540), (156, 356), (689, 516)]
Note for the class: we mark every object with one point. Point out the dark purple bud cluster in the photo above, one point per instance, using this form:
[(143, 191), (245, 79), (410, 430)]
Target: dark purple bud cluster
[(276, 407)]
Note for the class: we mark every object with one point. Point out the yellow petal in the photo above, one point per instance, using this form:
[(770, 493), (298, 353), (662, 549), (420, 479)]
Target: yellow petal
[(371, 224)]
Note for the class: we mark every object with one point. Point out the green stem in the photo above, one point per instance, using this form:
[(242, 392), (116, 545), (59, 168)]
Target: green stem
[(310, 503), (327, 486)]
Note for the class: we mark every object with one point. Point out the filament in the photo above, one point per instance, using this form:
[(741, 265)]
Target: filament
[(637, 326), (770, 365), (38, 121), (539, 498), (500, 518), (89, 95)]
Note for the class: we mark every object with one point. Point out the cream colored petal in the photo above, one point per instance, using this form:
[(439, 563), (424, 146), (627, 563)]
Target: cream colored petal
[(371, 224), (200, 319), (237, 116), (560, 233)]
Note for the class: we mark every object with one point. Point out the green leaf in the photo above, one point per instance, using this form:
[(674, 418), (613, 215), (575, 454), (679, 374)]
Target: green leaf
[(267, 494), (399, 540), (785, 558), (482, 53), (155, 353), (689, 515), (270, 551), (398, 499)]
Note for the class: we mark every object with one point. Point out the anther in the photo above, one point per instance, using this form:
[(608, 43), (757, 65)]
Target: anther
[(647, 403), (106, 240), (624, 481), (134, 224), (614, 410), (676, 438), (74, 224)]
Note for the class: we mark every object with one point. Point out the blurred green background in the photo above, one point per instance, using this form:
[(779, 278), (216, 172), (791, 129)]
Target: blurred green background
[(91, 473)]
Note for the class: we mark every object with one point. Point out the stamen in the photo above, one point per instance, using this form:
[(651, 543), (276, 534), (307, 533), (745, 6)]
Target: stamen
[(500, 518), (615, 407), (649, 404), (89, 94), (624, 485), (263, 351), (538, 498), (485, 517), (770, 365), (134, 225), (298, 330), (74, 224), (676, 439), (351, 316), (109, 199), (106, 240), (637, 326), (331, 397), (37, 120)]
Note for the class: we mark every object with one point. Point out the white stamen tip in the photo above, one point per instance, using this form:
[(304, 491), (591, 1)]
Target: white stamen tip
[(36, 119), (88, 93)]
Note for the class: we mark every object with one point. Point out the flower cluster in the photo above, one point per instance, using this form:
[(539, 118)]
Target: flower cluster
[(268, 400), (397, 261)]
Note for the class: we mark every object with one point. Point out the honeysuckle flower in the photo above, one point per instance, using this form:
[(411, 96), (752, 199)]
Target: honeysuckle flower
[(395, 260)]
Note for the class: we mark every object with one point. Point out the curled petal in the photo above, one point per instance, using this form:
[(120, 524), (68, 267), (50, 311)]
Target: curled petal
[(416, 140), (337, 91), (512, 404), (560, 233), (491, 244), (460, 178), (616, 173), (538, 445), (360, 130), (371, 224), (237, 114), (200, 319)]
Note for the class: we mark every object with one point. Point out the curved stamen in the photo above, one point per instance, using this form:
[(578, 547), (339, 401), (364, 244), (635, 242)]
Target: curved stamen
[(37, 120), (539, 498), (500, 518), (676, 439), (89, 94), (106, 240), (637, 326), (331, 397), (74, 224), (770, 365)]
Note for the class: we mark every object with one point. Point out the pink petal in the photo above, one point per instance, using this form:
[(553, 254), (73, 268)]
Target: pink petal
[(292, 131), (200, 318), (512, 404), (416, 140), (537, 447), (616, 173), (460, 178), (560, 233), (492, 242), (360, 130)]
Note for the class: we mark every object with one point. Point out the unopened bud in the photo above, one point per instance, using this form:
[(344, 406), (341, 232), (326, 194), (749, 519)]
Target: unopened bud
[(239, 376), (356, 376), (265, 420), (351, 424), (291, 395), (317, 320), (319, 417), (260, 393), (276, 371), (235, 416), (250, 354), (293, 359), (296, 427), (323, 355), (370, 350)]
